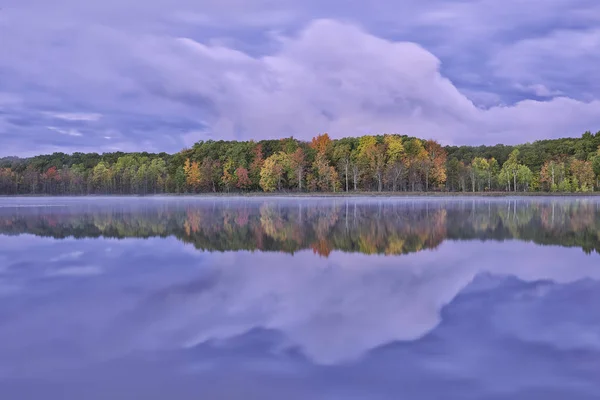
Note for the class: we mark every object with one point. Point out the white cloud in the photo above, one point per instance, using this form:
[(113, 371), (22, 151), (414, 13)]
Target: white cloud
[(75, 116), (68, 132), (337, 78)]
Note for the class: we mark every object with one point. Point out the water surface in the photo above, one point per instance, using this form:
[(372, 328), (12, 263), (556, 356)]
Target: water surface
[(267, 298)]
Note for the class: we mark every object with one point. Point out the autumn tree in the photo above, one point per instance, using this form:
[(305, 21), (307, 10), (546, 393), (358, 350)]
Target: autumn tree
[(342, 154), (210, 174), (256, 165), (435, 164), (273, 171), (395, 165), (372, 157), (596, 168), (297, 164), (416, 159), (552, 174), (242, 179), (192, 174), (583, 174), (322, 144), (324, 177), (229, 177)]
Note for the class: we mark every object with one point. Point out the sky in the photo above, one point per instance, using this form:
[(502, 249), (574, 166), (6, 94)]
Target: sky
[(159, 75)]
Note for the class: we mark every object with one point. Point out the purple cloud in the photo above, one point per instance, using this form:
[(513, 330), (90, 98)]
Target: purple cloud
[(118, 75)]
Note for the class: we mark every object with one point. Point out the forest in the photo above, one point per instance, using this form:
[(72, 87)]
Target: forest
[(390, 162)]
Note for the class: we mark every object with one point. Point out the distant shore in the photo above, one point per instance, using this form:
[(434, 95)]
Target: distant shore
[(330, 194)]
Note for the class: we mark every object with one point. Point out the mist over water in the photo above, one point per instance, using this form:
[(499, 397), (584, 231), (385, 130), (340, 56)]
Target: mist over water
[(343, 298)]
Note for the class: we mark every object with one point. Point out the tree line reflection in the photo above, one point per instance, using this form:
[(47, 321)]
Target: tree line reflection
[(379, 227)]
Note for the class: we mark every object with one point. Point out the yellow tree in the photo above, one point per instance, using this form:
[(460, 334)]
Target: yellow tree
[(372, 156), (272, 172), (192, 174), (395, 153)]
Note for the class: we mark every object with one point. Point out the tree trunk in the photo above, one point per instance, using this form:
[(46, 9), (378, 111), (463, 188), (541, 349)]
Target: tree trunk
[(346, 168)]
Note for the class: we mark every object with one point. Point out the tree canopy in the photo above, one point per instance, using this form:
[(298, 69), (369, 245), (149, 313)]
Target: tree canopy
[(388, 162)]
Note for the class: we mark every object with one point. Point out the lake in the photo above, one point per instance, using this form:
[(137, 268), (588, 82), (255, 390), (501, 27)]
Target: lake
[(299, 298)]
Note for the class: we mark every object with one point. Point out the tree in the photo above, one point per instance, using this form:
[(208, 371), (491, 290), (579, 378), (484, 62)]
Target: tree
[(493, 170), (210, 174), (296, 168), (552, 174), (583, 174), (272, 172), (524, 177), (453, 172), (480, 172), (435, 164), (342, 154), (101, 177), (321, 143), (242, 178), (416, 160), (192, 174), (256, 165), (229, 178), (157, 173), (324, 176), (510, 170), (382, 162), (50, 178), (395, 166), (596, 168)]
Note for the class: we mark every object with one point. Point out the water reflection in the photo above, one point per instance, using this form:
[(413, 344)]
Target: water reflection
[(389, 227), (100, 314)]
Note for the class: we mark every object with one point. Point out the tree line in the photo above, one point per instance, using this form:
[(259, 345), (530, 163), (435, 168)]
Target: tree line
[(391, 162)]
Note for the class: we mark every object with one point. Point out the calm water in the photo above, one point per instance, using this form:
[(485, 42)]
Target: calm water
[(180, 298)]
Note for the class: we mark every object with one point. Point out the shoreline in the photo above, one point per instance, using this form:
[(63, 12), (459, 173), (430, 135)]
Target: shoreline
[(324, 194)]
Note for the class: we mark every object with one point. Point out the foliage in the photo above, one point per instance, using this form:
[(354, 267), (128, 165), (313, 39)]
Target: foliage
[(387, 162)]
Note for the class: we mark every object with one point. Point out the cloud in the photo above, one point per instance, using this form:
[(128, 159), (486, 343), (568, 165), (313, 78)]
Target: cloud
[(75, 116), (565, 60), (318, 82), (538, 90), (235, 71), (69, 132)]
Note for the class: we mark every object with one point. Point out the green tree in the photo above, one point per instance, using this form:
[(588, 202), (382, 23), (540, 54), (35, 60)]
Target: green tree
[(480, 172)]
